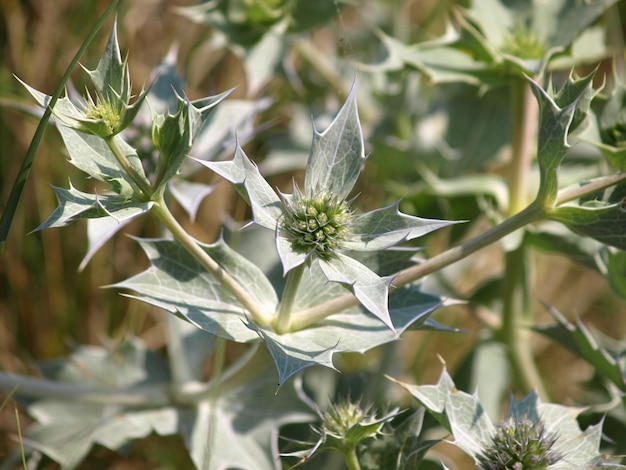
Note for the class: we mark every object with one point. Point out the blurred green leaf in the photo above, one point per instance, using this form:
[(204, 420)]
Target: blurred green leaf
[(606, 224), (578, 339)]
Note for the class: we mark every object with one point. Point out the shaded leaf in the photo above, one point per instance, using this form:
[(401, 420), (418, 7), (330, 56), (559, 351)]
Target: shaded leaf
[(606, 224), (577, 339), (176, 282)]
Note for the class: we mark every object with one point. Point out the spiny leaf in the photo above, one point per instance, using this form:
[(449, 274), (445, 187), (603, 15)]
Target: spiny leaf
[(75, 204), (245, 175), (176, 282), (337, 154), (371, 290), (554, 126), (352, 330), (386, 227), (578, 339)]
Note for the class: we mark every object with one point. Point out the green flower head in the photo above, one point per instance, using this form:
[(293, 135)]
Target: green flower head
[(519, 444), (317, 224)]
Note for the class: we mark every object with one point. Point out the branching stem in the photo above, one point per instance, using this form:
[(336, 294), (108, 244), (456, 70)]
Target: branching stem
[(142, 185), (160, 210), (531, 214)]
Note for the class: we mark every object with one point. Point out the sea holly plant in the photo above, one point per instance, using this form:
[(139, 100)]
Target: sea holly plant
[(533, 435), (317, 224), (349, 282)]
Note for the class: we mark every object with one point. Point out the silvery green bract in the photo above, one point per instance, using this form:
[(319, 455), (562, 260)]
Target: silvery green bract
[(475, 433), (317, 225)]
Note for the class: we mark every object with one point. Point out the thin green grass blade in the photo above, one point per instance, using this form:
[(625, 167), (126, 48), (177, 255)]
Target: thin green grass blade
[(18, 186)]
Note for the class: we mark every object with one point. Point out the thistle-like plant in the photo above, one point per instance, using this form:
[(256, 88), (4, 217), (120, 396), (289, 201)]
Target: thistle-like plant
[(318, 224), (532, 436)]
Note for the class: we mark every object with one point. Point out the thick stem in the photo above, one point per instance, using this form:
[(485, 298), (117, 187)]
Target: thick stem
[(140, 181), (150, 395), (515, 314), (283, 318), (160, 210), (350, 457), (523, 138), (515, 295)]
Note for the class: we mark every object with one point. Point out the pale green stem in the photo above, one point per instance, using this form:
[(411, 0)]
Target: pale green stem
[(216, 378), (350, 457), (515, 294), (140, 181), (160, 210), (256, 361), (315, 314), (591, 187), (282, 323), (149, 395)]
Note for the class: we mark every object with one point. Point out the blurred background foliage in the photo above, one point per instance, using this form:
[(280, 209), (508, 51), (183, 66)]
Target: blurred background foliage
[(417, 134)]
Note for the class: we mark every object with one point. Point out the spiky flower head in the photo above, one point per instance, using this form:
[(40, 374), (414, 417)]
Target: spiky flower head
[(519, 444), (524, 43), (315, 224), (346, 424)]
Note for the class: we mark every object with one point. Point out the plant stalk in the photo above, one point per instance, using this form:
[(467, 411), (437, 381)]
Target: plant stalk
[(283, 318), (317, 313), (350, 458), (142, 185), (515, 294), (34, 387), (161, 211)]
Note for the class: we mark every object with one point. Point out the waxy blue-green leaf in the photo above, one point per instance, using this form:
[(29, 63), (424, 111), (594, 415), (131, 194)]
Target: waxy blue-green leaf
[(110, 74), (245, 176), (75, 204), (337, 154), (369, 288), (554, 124), (176, 282), (386, 227), (606, 224), (352, 330), (236, 429)]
